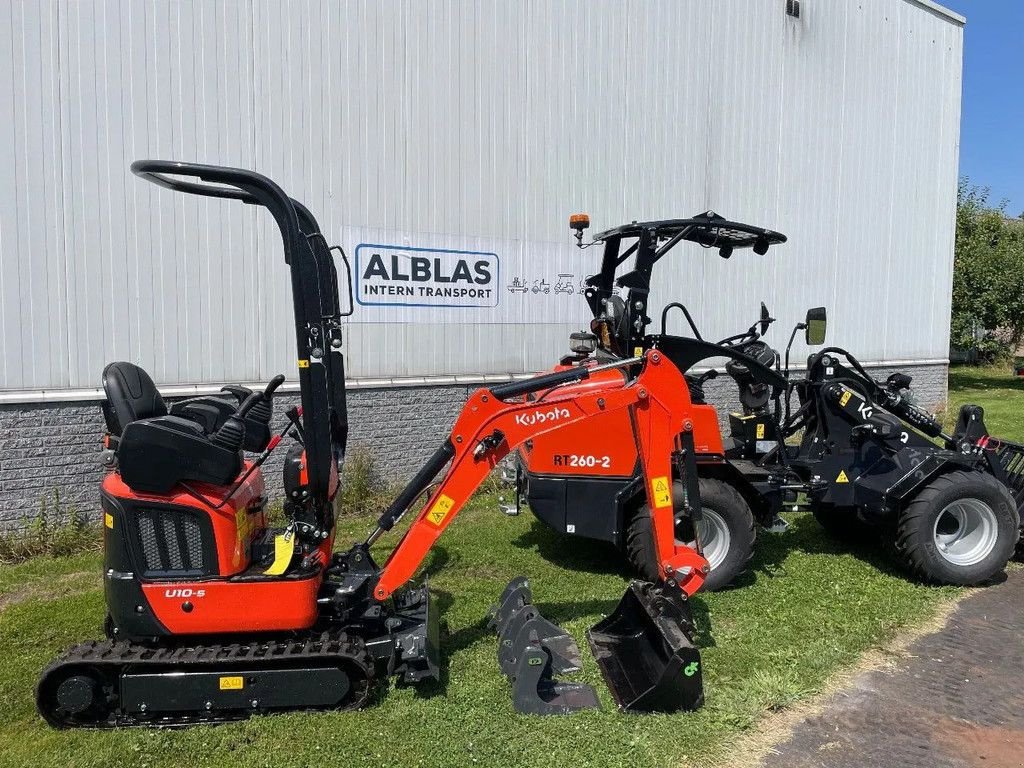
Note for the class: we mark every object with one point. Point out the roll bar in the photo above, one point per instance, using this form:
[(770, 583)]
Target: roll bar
[(317, 307), (653, 241)]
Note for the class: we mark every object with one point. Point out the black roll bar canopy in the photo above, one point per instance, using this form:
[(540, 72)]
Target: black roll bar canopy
[(314, 279), (653, 240)]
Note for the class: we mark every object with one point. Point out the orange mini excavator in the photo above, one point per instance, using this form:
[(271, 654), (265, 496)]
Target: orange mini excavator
[(214, 616)]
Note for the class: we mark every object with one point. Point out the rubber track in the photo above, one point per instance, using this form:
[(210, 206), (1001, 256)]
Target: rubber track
[(327, 649)]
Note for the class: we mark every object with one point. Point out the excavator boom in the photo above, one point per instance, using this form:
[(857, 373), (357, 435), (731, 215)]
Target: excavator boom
[(489, 428)]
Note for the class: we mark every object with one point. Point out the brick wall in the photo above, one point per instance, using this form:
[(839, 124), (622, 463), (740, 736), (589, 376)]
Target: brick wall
[(53, 450)]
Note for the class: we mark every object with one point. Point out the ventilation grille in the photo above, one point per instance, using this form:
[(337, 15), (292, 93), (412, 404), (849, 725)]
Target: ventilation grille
[(171, 540)]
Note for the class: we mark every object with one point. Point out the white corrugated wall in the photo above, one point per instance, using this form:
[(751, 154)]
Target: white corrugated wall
[(485, 119)]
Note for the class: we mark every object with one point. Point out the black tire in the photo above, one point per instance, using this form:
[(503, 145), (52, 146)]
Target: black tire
[(915, 537), (723, 500)]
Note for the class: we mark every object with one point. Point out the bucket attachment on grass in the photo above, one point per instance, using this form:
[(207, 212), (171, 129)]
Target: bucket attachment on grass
[(525, 627), (646, 652), (530, 650), (534, 692), (513, 597)]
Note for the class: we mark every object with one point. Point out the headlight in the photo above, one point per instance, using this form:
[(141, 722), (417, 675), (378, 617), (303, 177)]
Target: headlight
[(582, 343)]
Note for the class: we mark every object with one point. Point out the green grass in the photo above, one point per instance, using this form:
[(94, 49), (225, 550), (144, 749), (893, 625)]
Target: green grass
[(809, 608), (997, 390)]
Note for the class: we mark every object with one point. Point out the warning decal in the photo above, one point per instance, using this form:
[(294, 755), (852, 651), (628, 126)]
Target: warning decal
[(662, 492), (440, 510), (842, 477)]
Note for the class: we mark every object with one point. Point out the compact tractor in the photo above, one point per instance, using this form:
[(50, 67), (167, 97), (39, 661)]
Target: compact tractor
[(865, 460), (586, 480), (870, 461), (212, 615)]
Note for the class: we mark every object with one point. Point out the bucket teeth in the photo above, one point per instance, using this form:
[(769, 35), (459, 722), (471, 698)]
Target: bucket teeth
[(531, 650)]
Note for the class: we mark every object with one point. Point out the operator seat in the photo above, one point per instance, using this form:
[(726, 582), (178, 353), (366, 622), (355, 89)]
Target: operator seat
[(131, 395), (155, 449)]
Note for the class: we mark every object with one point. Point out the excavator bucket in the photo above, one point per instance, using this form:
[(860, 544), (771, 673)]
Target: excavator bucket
[(646, 652), (531, 650)]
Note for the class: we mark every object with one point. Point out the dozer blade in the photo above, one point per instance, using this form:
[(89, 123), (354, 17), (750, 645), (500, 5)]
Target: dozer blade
[(534, 692), (413, 636), (527, 627), (645, 651)]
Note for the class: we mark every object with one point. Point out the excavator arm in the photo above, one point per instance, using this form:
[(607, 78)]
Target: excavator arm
[(489, 428)]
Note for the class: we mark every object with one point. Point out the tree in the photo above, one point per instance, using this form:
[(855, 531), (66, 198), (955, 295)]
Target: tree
[(988, 276)]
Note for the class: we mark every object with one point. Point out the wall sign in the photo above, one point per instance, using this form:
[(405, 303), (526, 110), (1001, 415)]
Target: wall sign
[(393, 275), (408, 277)]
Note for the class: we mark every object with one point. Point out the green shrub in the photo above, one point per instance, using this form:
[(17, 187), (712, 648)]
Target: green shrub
[(988, 278), (54, 531), (364, 491)]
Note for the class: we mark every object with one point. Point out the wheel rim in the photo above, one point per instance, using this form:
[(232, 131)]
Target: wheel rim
[(714, 536), (965, 532)]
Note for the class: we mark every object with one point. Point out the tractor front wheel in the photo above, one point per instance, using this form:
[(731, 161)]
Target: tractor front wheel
[(961, 529), (726, 533)]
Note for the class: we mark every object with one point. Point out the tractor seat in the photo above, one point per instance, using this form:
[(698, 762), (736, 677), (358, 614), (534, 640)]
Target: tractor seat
[(157, 450)]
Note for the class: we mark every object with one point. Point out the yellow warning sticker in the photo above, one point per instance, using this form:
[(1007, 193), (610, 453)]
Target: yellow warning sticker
[(233, 683), (108, 520), (845, 398), (440, 510), (662, 492), (759, 432), (638, 351), (284, 549), (303, 363), (842, 477)]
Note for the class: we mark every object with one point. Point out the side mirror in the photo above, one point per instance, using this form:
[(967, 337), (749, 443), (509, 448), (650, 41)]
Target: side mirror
[(766, 319), (815, 325)]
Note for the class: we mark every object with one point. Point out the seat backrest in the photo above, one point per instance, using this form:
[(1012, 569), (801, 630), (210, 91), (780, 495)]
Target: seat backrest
[(131, 395)]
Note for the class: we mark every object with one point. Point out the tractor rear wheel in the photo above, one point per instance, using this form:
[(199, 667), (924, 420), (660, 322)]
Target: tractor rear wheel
[(961, 529), (727, 533)]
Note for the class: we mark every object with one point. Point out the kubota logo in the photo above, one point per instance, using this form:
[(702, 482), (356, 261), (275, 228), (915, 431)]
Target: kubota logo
[(542, 417)]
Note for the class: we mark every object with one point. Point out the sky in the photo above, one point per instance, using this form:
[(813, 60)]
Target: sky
[(992, 121)]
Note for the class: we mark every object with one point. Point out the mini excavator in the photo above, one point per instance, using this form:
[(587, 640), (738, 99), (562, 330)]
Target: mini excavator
[(212, 615)]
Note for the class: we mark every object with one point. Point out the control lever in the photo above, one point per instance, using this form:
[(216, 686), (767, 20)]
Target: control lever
[(238, 391), (294, 415), (231, 434)]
